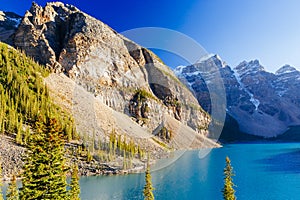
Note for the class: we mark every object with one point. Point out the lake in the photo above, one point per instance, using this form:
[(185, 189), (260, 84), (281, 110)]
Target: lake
[(263, 171)]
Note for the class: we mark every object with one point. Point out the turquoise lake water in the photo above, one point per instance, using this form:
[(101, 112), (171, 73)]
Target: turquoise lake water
[(263, 172)]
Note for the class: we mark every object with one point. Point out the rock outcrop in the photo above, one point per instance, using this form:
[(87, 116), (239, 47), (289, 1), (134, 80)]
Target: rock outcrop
[(263, 103), (109, 66)]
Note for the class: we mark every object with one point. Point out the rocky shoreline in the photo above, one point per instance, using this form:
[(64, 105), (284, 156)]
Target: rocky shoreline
[(11, 158)]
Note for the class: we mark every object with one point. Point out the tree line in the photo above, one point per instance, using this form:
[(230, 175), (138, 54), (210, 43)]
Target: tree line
[(24, 97), (45, 170), (28, 115)]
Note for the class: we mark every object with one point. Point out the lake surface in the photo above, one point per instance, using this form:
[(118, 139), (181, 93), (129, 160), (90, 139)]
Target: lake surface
[(263, 172)]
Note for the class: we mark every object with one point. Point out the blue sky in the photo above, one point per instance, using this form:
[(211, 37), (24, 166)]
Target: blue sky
[(237, 30)]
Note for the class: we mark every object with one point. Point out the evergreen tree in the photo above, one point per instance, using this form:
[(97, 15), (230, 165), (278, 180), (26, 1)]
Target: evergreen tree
[(75, 188), (44, 169), (1, 184), (23, 95), (228, 191), (12, 192), (148, 194)]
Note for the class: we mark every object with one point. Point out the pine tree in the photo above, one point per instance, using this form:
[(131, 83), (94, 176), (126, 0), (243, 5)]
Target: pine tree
[(44, 169), (228, 191), (75, 188), (19, 136), (1, 184), (12, 192), (148, 194)]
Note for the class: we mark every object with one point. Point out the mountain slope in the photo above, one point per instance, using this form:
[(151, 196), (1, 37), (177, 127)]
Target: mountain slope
[(24, 100), (124, 78), (263, 103)]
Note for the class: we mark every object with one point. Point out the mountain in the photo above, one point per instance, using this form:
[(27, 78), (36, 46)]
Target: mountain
[(108, 82), (264, 104), (9, 22)]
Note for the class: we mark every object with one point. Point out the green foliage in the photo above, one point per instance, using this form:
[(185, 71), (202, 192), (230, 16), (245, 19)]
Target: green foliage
[(75, 188), (12, 192), (165, 134), (89, 156), (24, 96), (141, 95), (161, 143), (148, 188), (108, 150), (228, 191), (45, 168)]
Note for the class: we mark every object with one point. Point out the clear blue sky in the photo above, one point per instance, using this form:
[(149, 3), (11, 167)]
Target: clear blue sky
[(268, 30)]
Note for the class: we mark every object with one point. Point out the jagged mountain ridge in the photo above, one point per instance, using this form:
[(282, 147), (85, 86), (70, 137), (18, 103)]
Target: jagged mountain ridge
[(263, 103), (119, 73)]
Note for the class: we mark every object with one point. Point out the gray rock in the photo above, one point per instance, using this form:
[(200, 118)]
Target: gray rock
[(263, 103)]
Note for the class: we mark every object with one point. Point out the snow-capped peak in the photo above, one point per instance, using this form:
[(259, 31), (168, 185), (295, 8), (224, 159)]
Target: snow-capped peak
[(212, 58), (205, 57), (251, 67), (10, 19), (178, 70), (285, 70)]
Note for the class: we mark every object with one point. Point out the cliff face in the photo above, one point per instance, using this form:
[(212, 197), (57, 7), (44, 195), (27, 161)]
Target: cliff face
[(119, 73), (263, 103)]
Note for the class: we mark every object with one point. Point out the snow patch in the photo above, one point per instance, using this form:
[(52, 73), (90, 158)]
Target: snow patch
[(62, 18), (254, 101), (178, 70), (205, 57), (196, 73), (17, 21), (285, 70)]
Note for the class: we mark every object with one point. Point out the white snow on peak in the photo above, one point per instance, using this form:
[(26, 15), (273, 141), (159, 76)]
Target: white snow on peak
[(213, 57), (178, 70), (218, 57), (285, 70), (245, 68), (4, 17), (254, 101), (205, 57)]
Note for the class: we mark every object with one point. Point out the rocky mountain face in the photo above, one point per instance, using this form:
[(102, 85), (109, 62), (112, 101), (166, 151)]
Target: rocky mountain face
[(9, 23), (263, 103), (125, 78)]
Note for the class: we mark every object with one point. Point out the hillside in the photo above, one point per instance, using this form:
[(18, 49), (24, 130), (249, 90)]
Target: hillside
[(123, 75), (105, 86), (24, 99)]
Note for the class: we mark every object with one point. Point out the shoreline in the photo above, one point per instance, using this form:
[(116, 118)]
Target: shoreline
[(11, 155)]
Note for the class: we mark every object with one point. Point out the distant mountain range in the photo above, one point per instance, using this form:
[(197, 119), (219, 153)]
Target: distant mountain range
[(259, 103), (116, 71)]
